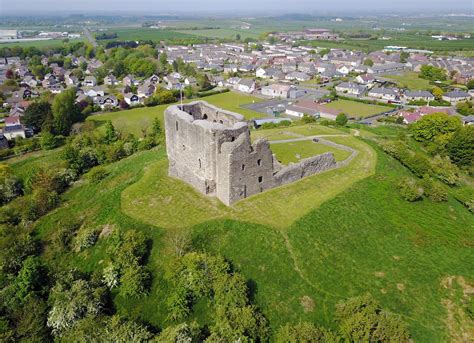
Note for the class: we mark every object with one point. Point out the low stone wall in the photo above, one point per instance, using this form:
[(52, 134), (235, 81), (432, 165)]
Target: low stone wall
[(306, 167)]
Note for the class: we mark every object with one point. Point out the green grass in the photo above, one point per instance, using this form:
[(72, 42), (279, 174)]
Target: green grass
[(24, 164), (51, 43), (223, 33), (354, 238), (142, 33), (357, 109), (134, 120), (157, 199), (411, 81), (296, 151), (294, 132)]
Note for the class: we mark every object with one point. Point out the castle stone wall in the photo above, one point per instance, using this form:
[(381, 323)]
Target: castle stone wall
[(210, 149)]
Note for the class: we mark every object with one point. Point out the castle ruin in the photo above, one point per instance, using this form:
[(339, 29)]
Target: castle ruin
[(210, 149)]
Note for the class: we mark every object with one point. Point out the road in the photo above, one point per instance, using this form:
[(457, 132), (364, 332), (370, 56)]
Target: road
[(90, 38)]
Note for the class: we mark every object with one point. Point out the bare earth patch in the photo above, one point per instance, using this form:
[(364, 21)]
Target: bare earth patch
[(460, 325), (106, 231), (379, 274), (401, 287), (307, 303)]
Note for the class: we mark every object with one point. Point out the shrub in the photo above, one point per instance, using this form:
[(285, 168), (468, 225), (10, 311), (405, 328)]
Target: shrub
[(410, 190), (444, 170), (111, 276), (133, 282), (308, 119), (39, 203), (48, 141), (85, 238), (341, 119), (433, 190), (304, 332), (97, 174)]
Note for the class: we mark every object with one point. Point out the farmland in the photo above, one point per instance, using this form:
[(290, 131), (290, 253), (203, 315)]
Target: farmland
[(155, 35), (356, 109), (50, 43)]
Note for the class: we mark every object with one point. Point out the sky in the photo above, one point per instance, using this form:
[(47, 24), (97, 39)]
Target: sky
[(232, 6)]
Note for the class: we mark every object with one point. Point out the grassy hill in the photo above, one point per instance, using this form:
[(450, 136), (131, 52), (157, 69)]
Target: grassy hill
[(302, 247)]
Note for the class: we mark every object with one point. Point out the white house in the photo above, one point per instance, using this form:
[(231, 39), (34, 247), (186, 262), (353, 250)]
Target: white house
[(456, 96), (132, 99), (297, 75), (90, 81), (245, 85), (351, 88), (418, 95), (383, 93), (110, 80), (277, 91)]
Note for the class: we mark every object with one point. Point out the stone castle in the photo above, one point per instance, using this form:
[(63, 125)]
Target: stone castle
[(210, 149)]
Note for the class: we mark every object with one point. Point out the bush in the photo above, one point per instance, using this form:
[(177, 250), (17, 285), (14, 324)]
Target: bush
[(48, 141), (97, 174), (307, 119), (433, 190), (133, 282), (444, 170), (341, 119), (39, 203), (304, 332), (85, 238), (410, 190)]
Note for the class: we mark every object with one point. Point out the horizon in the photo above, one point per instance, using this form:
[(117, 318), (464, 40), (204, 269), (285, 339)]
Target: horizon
[(206, 7)]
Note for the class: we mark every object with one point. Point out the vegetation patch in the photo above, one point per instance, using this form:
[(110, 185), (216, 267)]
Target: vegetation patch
[(357, 109), (293, 152)]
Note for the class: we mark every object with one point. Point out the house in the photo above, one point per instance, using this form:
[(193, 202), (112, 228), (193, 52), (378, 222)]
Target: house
[(298, 76), (90, 81), (456, 96), (386, 68), (56, 88), (230, 68), (296, 93), (190, 81), (344, 69), (14, 131), (245, 85), (247, 68), (269, 73), (259, 122), (365, 79), (132, 99), (409, 117), (12, 121), (154, 79), (110, 80), (418, 95), (70, 80), (468, 120), (173, 84), (146, 90), (307, 67), (130, 80), (107, 101), (94, 92), (311, 108), (288, 67), (350, 88), (277, 91), (383, 93), (29, 81)]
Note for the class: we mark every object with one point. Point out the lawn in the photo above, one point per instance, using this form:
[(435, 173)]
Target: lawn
[(298, 150), (357, 109), (134, 120), (294, 132), (411, 81), (24, 164), (159, 200)]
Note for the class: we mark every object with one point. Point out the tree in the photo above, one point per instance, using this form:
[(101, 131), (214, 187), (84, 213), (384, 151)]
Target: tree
[(163, 59), (361, 319), (432, 125), (30, 279), (404, 57), (368, 62), (324, 52), (71, 301), (237, 37), (437, 92), (111, 135), (461, 147), (184, 332), (204, 82), (305, 332), (36, 114), (470, 84), (432, 73), (65, 112), (341, 119)]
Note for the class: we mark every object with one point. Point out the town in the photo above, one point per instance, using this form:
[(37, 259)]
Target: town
[(280, 172)]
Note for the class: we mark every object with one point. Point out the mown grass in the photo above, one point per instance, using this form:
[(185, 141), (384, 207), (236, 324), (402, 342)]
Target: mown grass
[(294, 132), (357, 109), (160, 200), (293, 152), (410, 80), (135, 120)]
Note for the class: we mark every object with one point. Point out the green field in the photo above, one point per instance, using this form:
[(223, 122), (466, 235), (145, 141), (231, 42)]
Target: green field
[(134, 120), (223, 33), (51, 43), (293, 152), (143, 33), (357, 109), (410, 80), (347, 227), (23, 165)]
